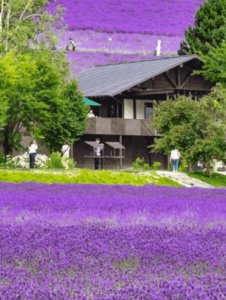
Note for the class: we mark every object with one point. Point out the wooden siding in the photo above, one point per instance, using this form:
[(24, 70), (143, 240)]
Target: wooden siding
[(113, 126)]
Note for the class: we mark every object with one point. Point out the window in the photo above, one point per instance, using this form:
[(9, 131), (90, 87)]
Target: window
[(148, 107)]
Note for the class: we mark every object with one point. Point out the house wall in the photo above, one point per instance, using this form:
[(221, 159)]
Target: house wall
[(128, 109), (140, 108), (136, 146)]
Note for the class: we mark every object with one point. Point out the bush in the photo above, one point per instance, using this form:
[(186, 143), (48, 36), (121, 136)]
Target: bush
[(184, 166), (23, 161), (156, 165), (139, 164), (54, 161), (71, 163)]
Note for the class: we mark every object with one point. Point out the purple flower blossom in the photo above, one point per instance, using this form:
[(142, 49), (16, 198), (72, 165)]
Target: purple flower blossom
[(111, 242)]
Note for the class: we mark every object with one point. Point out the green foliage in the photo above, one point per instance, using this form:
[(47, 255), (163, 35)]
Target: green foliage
[(156, 165), (195, 128), (71, 163), (55, 161), (21, 21), (217, 180), (85, 177), (68, 121), (214, 68), (139, 164), (209, 27), (146, 167), (31, 85), (183, 167)]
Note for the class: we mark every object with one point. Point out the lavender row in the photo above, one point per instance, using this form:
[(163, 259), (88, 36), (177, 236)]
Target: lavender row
[(144, 16)]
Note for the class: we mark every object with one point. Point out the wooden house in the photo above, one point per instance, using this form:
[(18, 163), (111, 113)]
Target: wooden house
[(126, 92)]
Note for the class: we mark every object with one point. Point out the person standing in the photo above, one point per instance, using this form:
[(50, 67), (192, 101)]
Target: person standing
[(175, 157), (72, 43), (32, 152), (97, 151), (65, 154)]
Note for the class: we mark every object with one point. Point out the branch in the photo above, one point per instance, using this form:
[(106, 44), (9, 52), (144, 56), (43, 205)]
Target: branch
[(33, 16), (1, 14), (25, 9)]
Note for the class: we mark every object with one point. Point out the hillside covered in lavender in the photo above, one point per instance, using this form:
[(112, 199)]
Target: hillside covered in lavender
[(113, 31)]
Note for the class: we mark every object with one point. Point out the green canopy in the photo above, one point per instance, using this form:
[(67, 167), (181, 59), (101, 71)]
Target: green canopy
[(90, 102)]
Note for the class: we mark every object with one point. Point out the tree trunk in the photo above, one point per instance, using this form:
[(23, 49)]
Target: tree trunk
[(6, 146)]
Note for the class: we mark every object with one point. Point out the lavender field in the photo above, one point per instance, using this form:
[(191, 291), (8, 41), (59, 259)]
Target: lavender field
[(80, 61), (145, 16), (112, 242)]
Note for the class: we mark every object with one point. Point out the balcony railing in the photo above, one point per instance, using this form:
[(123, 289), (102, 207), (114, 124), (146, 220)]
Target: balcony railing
[(113, 126)]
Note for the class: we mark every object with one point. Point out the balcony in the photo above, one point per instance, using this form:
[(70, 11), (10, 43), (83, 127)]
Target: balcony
[(114, 126)]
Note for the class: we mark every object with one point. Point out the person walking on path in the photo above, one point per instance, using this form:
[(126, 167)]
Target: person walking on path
[(175, 157), (72, 44), (32, 152), (65, 154)]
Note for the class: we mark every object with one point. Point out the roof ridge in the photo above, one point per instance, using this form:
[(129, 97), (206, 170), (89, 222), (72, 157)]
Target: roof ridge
[(136, 61)]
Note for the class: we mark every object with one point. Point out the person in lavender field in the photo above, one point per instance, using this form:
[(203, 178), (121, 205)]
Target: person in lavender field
[(175, 157), (72, 44), (32, 153)]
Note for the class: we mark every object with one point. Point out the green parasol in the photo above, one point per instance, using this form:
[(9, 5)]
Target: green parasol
[(90, 102)]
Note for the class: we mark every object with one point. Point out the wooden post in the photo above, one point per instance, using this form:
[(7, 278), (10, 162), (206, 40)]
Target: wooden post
[(71, 151), (123, 108), (117, 110), (120, 153), (178, 77), (134, 109)]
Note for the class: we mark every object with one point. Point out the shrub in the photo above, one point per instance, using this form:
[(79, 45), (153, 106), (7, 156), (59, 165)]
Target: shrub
[(146, 167), (183, 166), (54, 161), (156, 165), (138, 163), (23, 161), (71, 163)]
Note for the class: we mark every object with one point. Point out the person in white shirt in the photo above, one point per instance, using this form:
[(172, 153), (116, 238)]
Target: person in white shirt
[(65, 154), (97, 151), (91, 114), (175, 157), (32, 152)]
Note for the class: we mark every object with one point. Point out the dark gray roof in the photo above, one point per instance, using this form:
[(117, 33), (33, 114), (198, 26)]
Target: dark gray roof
[(110, 80)]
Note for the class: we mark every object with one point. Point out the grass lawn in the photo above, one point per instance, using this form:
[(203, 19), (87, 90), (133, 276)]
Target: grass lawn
[(85, 177), (217, 180)]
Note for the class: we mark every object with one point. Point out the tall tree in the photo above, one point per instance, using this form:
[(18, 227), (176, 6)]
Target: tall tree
[(209, 28), (26, 22), (34, 86), (67, 122), (196, 128), (214, 68)]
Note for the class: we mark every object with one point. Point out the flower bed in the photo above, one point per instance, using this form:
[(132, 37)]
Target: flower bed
[(111, 242)]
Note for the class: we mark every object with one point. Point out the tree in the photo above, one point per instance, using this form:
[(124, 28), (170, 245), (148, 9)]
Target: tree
[(214, 68), (209, 28), (26, 22), (34, 86), (195, 128), (67, 122)]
